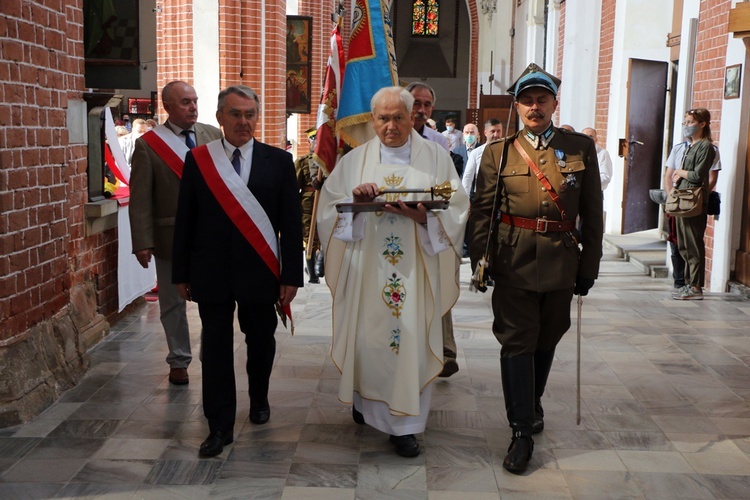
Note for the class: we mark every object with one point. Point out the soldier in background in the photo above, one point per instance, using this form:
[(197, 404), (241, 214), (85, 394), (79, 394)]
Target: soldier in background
[(307, 173)]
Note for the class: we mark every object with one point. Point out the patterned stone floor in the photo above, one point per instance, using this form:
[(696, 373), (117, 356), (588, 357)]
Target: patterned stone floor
[(665, 414)]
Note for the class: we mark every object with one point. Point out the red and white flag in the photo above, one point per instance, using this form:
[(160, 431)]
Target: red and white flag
[(113, 154), (326, 140)]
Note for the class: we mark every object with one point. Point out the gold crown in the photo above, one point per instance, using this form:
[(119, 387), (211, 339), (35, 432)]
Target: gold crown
[(393, 180)]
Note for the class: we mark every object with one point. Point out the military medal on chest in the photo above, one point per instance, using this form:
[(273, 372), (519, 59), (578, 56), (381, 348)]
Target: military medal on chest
[(570, 181)]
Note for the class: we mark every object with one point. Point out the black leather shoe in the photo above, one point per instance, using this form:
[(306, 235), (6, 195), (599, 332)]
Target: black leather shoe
[(449, 368), (358, 418), (260, 416), (538, 425), (519, 453), (214, 444), (406, 446)]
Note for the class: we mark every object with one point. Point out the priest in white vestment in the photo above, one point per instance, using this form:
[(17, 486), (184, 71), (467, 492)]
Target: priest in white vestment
[(392, 273)]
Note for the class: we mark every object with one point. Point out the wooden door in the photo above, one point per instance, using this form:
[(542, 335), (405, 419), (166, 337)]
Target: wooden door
[(493, 106), (643, 143), (742, 258)]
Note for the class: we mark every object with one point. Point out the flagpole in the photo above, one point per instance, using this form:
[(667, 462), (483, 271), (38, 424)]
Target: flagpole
[(338, 19)]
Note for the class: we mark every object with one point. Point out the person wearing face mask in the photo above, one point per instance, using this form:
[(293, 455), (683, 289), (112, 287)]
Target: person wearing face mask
[(691, 163), (452, 135), (468, 144)]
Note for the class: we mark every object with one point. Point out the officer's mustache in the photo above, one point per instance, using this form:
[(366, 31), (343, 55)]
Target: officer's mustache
[(420, 115), (534, 114)]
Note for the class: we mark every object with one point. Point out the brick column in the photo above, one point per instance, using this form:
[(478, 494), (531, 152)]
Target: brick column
[(709, 81)]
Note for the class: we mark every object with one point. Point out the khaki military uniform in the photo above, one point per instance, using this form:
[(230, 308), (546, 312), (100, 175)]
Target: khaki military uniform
[(535, 271), (307, 197)]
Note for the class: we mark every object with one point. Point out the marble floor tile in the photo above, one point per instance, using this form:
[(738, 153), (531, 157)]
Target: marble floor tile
[(317, 493), (654, 461), (264, 452), (323, 475), (15, 448), (173, 492), (641, 441), (114, 471), (390, 479), (665, 407), (722, 486), (588, 460), (715, 462), (542, 483), (43, 470), (29, 491), (593, 484), (139, 449), (183, 472), (65, 448), (457, 456), (96, 491), (465, 479)]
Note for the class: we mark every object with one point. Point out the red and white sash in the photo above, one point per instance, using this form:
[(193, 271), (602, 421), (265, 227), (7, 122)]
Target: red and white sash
[(239, 203), (169, 146)]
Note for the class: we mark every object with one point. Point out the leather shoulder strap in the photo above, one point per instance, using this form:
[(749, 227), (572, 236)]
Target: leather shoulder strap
[(542, 178)]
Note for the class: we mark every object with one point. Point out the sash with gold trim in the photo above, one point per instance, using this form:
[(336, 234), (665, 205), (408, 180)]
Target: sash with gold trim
[(242, 207), (168, 146)]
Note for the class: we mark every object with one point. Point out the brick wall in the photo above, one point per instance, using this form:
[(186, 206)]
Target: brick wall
[(560, 42), (53, 279), (35, 175), (252, 46), (320, 11), (709, 80), (174, 42), (606, 48)]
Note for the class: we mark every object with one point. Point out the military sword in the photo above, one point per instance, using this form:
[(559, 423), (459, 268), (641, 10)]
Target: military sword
[(444, 190), (578, 364)]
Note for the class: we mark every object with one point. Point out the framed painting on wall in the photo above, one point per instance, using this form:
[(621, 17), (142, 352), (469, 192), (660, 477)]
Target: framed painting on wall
[(732, 81), (298, 64)]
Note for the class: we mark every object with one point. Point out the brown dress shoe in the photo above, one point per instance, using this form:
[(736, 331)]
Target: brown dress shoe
[(178, 376)]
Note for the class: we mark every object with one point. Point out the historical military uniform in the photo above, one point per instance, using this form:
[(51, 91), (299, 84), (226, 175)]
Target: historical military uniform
[(534, 254), (305, 179)]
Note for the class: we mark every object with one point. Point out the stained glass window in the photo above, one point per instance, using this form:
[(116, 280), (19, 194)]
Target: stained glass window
[(425, 15)]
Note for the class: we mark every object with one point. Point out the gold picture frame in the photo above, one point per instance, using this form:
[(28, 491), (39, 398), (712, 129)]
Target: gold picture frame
[(298, 64)]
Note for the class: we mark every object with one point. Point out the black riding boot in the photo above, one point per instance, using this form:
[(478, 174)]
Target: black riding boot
[(320, 268), (311, 271), (542, 366), (518, 389)]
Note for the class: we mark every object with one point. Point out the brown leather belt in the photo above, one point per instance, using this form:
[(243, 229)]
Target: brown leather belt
[(308, 189), (538, 225)]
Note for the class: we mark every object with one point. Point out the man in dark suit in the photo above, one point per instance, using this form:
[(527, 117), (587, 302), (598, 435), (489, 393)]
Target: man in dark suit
[(238, 237), (156, 168)]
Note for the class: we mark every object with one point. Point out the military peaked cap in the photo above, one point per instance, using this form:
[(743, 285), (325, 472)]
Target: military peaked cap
[(534, 76)]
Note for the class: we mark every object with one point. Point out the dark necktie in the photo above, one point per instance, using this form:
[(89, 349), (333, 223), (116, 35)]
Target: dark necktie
[(188, 139), (236, 161)]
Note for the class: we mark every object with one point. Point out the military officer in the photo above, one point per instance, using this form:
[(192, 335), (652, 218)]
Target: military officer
[(547, 177), (307, 179)]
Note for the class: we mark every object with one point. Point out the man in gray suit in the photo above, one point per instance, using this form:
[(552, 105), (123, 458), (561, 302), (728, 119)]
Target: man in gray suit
[(156, 169)]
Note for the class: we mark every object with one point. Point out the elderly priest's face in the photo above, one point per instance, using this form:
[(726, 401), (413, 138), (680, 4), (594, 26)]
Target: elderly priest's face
[(391, 120)]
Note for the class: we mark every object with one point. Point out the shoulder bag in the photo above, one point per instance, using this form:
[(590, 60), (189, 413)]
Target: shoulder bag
[(686, 202)]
